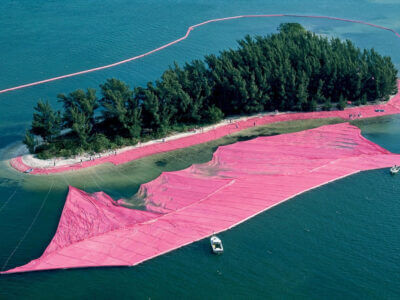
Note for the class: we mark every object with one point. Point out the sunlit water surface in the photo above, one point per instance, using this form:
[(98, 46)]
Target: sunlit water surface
[(338, 240)]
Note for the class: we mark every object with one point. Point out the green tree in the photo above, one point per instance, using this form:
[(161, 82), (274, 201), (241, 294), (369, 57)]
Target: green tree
[(80, 126), (341, 105), (327, 104), (302, 94), (46, 122), (291, 28), (121, 112), (151, 117), (84, 102), (29, 141), (214, 114)]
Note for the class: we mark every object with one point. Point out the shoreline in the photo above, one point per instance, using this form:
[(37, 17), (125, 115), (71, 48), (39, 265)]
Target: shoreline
[(23, 163), (33, 162)]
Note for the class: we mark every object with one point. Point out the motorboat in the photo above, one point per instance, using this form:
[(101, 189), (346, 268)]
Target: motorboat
[(216, 245), (395, 169), (28, 171)]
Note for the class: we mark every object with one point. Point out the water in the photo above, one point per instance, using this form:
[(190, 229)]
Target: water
[(340, 239)]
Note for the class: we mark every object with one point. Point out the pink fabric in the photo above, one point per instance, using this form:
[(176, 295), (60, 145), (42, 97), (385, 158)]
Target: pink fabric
[(241, 181), (391, 107), (184, 38)]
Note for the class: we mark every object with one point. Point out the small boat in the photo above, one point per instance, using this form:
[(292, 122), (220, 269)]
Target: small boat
[(395, 169), (216, 245), (28, 171)]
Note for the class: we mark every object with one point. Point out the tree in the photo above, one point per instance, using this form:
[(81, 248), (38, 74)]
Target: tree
[(364, 99), (196, 83), (121, 110), (313, 105), (80, 126), (133, 123), (214, 114), (174, 101), (84, 102), (100, 143), (319, 97), (327, 105), (115, 101), (151, 119), (302, 94), (291, 28), (29, 141), (46, 122), (342, 103)]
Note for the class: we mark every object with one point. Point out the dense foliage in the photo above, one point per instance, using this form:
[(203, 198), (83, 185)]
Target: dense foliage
[(291, 70)]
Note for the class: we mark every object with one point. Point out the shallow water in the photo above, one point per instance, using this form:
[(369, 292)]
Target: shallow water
[(340, 239)]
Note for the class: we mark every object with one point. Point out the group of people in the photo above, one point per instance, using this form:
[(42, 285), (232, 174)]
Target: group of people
[(355, 116)]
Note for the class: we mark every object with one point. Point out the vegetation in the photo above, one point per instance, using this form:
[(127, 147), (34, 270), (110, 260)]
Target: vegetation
[(293, 69)]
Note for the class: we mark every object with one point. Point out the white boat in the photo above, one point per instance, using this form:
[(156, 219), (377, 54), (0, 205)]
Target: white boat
[(395, 169), (28, 171), (216, 245)]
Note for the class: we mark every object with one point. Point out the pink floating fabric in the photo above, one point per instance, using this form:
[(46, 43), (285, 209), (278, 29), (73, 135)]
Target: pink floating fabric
[(391, 107), (241, 181)]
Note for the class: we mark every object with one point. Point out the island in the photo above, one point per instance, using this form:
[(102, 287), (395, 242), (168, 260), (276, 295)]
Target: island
[(291, 70)]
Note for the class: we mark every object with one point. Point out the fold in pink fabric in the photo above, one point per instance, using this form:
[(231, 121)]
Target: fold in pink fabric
[(241, 181)]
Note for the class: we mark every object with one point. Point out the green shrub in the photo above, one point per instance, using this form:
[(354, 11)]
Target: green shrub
[(100, 143), (214, 114)]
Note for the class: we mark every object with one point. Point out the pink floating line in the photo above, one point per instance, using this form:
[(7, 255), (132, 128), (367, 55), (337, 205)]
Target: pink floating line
[(241, 181), (390, 108), (190, 28)]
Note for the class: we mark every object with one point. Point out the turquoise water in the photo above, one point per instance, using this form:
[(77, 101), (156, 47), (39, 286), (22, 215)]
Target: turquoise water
[(338, 240)]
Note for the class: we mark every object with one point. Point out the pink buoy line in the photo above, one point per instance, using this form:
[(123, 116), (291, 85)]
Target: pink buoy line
[(190, 28)]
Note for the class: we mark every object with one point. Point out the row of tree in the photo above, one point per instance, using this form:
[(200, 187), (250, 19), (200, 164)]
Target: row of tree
[(293, 69)]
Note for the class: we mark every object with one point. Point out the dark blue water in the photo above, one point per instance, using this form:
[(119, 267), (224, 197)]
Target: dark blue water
[(341, 240)]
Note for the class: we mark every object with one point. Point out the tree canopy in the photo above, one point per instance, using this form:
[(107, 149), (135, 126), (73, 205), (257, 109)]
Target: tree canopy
[(292, 70)]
